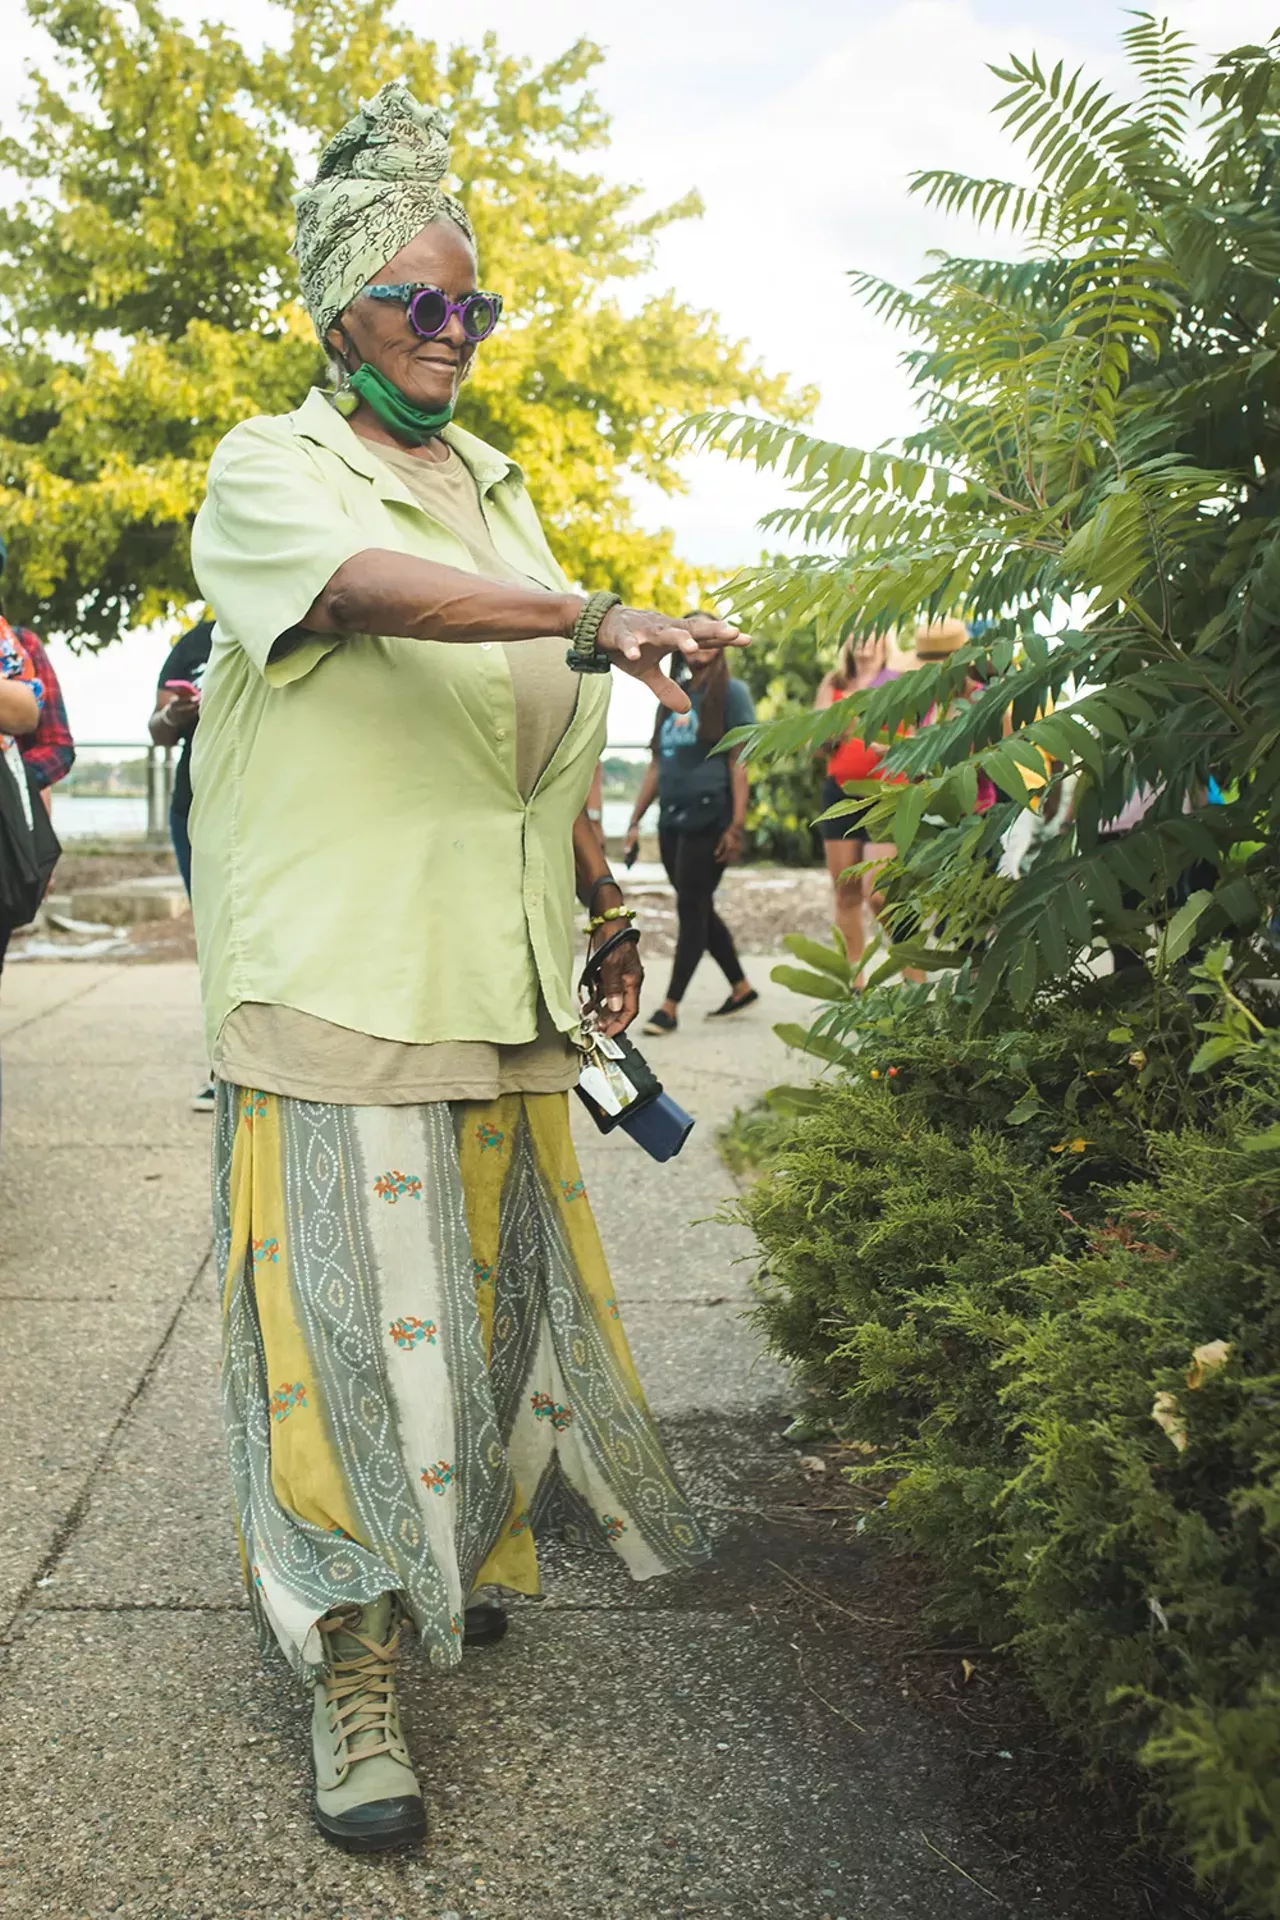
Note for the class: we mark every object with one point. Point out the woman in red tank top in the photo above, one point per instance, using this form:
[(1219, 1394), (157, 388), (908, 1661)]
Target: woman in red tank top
[(862, 664)]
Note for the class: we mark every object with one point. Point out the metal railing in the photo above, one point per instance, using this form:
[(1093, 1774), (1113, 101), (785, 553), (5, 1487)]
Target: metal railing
[(160, 765), (157, 779)]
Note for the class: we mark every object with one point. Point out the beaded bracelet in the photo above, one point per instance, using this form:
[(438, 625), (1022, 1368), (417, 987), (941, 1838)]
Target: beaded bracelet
[(599, 920)]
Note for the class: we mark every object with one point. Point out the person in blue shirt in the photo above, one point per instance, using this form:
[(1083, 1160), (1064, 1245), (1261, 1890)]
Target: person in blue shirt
[(702, 811), (173, 724)]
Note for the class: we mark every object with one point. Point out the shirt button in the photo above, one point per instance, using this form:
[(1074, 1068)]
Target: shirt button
[(485, 645), (499, 733)]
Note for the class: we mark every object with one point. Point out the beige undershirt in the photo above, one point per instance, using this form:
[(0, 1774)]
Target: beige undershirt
[(282, 1050)]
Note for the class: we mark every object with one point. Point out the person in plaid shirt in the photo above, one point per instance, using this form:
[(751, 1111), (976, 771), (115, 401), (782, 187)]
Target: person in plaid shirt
[(20, 710), (47, 751), (50, 751)]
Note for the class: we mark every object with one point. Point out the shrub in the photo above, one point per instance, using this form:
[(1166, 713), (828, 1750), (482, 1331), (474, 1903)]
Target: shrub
[(1140, 1562), (892, 1249), (1005, 1323)]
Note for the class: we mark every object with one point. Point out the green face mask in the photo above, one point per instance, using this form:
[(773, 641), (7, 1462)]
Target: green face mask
[(411, 424)]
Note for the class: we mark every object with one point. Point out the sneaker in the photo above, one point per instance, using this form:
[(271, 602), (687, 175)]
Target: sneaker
[(367, 1798), (660, 1022), (206, 1100)]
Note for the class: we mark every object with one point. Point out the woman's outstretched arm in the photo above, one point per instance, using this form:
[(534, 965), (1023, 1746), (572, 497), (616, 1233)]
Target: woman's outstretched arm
[(379, 591)]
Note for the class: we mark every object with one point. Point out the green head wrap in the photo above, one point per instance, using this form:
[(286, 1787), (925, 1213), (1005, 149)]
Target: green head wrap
[(377, 185)]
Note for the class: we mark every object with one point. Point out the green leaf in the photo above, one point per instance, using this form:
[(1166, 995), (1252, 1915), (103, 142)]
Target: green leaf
[(792, 1034), (1265, 1142), (1025, 1109), (798, 1100), (817, 985), (1224, 1046), (908, 813), (830, 960), (1239, 902), (1181, 929), (821, 1045)]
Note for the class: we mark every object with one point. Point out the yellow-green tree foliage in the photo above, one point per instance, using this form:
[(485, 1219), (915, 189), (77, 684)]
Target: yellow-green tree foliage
[(149, 301)]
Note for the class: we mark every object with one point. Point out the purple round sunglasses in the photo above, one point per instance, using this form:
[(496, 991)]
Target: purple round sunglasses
[(430, 309)]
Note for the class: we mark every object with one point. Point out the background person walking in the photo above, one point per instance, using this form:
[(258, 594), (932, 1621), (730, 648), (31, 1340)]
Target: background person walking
[(173, 724), (702, 812), (863, 664)]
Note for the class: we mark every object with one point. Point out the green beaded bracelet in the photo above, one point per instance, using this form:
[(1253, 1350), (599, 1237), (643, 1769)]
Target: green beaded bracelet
[(610, 913)]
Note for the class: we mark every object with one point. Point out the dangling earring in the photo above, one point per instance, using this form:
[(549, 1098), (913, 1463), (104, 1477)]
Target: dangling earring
[(344, 400)]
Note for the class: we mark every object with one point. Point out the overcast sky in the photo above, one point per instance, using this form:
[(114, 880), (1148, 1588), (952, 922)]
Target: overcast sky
[(799, 125)]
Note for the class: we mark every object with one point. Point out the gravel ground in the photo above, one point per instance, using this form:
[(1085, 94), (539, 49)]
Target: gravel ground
[(760, 905)]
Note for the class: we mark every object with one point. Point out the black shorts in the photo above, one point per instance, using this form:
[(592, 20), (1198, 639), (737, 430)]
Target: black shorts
[(849, 825)]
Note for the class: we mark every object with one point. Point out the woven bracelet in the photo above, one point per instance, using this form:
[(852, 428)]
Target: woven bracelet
[(584, 654)]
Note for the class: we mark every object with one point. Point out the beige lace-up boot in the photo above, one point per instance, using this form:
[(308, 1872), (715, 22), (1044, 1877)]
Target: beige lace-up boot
[(367, 1798)]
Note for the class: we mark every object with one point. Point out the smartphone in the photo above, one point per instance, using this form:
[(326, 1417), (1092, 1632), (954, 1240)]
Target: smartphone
[(631, 855), (185, 689)]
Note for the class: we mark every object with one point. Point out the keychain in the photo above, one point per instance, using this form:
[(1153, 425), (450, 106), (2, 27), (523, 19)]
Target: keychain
[(617, 1085)]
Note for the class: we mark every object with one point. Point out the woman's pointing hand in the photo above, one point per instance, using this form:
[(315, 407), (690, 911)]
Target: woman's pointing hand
[(639, 642)]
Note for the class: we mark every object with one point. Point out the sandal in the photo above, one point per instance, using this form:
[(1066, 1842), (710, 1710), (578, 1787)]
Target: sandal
[(731, 1005), (660, 1022)]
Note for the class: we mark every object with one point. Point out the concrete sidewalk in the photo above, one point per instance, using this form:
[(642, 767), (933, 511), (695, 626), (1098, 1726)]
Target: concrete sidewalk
[(709, 1745)]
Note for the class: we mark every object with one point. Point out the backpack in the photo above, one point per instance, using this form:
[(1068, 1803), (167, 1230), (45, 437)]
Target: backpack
[(29, 847)]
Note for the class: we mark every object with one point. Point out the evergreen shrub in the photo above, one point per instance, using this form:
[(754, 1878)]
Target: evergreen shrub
[(998, 1263)]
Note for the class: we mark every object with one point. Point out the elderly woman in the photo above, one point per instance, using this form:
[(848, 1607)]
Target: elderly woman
[(423, 1361)]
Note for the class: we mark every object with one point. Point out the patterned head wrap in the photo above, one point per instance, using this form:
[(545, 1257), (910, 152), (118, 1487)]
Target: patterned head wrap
[(377, 185)]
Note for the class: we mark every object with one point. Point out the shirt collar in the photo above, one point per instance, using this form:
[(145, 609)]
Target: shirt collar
[(317, 419)]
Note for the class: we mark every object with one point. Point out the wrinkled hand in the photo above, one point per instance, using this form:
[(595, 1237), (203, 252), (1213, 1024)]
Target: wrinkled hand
[(639, 642), (616, 998), (729, 847)]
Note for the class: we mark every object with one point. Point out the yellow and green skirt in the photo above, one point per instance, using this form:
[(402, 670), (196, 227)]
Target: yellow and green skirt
[(423, 1364)]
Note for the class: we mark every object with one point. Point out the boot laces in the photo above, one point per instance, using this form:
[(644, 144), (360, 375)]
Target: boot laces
[(361, 1689)]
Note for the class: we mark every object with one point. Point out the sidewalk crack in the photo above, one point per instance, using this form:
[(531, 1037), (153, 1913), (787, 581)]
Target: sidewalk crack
[(70, 1523), (46, 1013)]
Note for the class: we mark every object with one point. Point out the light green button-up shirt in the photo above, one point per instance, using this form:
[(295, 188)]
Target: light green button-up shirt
[(361, 850)]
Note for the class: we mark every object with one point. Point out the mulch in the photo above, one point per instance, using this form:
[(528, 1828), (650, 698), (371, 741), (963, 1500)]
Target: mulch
[(860, 1597)]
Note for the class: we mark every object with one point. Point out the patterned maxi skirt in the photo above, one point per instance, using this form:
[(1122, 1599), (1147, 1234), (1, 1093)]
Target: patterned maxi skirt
[(423, 1364)]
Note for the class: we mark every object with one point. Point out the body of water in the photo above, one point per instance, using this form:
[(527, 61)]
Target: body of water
[(107, 816), (124, 817)]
